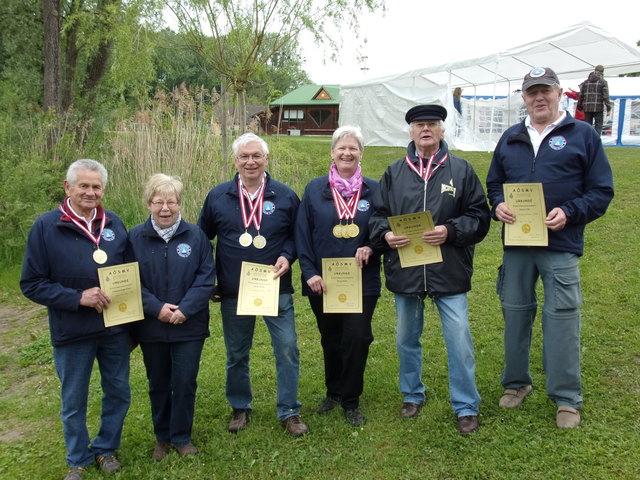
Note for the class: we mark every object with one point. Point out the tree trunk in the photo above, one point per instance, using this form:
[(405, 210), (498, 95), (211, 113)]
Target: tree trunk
[(70, 62), (223, 127), (51, 20)]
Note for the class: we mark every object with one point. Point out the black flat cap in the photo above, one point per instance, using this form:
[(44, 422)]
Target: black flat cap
[(426, 112)]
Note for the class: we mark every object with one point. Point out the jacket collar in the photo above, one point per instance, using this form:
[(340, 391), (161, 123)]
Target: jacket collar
[(411, 151)]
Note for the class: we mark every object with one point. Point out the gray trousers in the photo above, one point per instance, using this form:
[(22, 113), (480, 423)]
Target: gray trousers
[(516, 286)]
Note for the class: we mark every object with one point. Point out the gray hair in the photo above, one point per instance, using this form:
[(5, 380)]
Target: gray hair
[(86, 164), (348, 131), (160, 183), (247, 138)]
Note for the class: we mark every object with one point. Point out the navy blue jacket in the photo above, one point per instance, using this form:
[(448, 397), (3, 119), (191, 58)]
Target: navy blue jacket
[(314, 238), (180, 272), (221, 218), (58, 265), (572, 167)]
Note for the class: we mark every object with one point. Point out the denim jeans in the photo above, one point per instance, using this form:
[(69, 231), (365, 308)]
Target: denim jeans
[(465, 399), (172, 371), (238, 338), (74, 363), (516, 286)]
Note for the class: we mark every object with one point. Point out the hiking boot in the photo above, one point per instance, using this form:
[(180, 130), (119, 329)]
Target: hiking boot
[(160, 451), (239, 419), (76, 473), (295, 426), (108, 464)]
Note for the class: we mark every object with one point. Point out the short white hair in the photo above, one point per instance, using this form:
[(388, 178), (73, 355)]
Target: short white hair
[(86, 164)]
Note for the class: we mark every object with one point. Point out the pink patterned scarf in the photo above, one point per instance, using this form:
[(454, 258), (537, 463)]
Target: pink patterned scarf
[(346, 187)]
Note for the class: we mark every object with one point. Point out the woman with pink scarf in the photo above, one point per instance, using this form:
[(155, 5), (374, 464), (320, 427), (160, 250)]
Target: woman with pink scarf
[(332, 223)]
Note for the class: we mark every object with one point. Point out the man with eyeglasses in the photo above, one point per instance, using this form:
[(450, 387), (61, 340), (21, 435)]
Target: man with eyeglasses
[(252, 218), (430, 178)]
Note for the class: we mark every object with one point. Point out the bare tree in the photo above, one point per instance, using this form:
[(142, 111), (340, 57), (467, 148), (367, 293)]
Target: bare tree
[(237, 37)]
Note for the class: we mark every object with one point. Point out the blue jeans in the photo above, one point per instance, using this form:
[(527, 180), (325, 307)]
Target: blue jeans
[(74, 363), (516, 287), (238, 338), (172, 371), (465, 399)]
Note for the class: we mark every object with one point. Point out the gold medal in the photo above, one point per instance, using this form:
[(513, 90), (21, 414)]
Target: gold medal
[(245, 239), (338, 230), (259, 241), (100, 256), (353, 230)]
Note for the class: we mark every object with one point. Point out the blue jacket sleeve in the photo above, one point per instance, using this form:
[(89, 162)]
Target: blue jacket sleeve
[(197, 297)]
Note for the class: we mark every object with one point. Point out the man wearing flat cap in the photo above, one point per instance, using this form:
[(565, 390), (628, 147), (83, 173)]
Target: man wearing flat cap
[(594, 98), (550, 147), (431, 178)]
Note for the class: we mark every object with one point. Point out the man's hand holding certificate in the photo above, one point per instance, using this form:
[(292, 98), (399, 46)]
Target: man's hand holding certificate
[(259, 291), (526, 202), (343, 279), (417, 252), (122, 284)]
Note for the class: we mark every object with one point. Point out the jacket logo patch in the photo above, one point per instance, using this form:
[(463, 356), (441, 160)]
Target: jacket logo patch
[(108, 235), (558, 143), (363, 205), (184, 250), (450, 189), (268, 207)]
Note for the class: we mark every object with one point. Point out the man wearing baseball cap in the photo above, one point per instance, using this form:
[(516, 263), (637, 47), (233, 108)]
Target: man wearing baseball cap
[(567, 157), (431, 178)]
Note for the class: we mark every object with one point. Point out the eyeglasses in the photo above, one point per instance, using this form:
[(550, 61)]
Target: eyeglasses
[(254, 156), (160, 203)]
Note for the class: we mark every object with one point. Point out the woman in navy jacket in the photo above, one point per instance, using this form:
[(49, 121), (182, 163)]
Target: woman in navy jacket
[(329, 206), (177, 276)]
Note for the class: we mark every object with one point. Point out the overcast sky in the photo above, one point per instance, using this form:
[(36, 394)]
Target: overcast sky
[(419, 33)]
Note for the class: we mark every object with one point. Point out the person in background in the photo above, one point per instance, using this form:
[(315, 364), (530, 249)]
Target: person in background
[(566, 156), (177, 276), (594, 99), (431, 178), (333, 223), (252, 219), (65, 248), (457, 103)]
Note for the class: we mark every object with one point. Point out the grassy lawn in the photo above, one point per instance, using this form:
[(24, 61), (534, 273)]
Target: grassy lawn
[(524, 443)]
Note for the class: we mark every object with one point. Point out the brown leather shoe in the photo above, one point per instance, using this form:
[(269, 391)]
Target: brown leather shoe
[(468, 424), (188, 449), (410, 409), (295, 426), (160, 451), (239, 419)]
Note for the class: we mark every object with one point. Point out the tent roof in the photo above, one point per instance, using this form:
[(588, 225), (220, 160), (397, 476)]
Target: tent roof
[(573, 53), (311, 95)]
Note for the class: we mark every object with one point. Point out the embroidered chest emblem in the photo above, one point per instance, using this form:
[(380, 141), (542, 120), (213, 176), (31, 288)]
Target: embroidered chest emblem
[(184, 250), (558, 143), (450, 189)]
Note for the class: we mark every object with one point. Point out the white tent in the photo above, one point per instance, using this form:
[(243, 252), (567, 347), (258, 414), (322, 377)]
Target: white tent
[(490, 104)]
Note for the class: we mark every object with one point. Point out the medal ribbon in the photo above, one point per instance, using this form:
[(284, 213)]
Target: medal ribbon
[(425, 173), (255, 207), (94, 238), (345, 210)]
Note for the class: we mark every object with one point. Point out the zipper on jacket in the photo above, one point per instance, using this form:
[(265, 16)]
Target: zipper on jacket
[(424, 209)]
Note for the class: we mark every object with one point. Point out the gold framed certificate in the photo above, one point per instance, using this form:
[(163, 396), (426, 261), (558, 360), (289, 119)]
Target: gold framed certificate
[(259, 291), (343, 279), (526, 201), (418, 252), (121, 283)]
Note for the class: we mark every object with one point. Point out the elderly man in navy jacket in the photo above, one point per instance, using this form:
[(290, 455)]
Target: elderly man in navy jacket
[(566, 156), (252, 219), (65, 248)]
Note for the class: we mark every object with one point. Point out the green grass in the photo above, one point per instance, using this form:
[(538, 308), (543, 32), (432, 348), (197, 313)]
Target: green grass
[(510, 444)]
